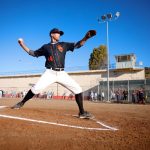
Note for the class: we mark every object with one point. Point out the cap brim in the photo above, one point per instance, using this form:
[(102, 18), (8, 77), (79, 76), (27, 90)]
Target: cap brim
[(61, 32)]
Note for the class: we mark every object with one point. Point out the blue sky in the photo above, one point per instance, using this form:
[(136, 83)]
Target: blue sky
[(33, 19)]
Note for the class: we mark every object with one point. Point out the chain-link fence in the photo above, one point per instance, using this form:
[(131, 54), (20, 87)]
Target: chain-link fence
[(120, 91), (125, 90)]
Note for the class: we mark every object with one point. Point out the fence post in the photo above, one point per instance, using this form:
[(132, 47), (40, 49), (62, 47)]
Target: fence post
[(98, 89), (113, 86), (128, 92)]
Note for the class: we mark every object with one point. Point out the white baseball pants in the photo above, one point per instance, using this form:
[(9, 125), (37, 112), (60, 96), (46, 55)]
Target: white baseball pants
[(61, 77)]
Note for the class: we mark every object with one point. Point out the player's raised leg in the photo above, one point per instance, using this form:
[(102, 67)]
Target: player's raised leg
[(46, 79)]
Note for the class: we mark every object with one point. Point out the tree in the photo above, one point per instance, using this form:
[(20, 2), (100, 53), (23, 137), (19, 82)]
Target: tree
[(98, 58)]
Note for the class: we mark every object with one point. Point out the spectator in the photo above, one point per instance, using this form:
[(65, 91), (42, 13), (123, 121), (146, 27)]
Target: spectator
[(112, 96), (102, 95), (70, 96), (118, 95), (64, 95), (49, 95), (141, 96), (92, 96), (137, 95), (95, 96), (134, 96), (125, 95)]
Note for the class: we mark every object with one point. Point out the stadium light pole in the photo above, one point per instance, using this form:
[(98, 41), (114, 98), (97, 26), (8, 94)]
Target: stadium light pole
[(106, 18)]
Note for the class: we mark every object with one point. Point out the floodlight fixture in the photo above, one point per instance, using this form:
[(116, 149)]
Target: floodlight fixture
[(103, 17), (117, 14), (109, 16)]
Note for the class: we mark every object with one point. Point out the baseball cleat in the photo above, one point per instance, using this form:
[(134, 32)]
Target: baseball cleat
[(86, 115), (18, 105)]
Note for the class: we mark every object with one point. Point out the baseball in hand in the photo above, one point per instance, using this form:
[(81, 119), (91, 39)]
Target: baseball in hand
[(20, 40)]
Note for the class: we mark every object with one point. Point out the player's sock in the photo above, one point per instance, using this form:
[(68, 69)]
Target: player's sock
[(28, 96), (79, 100)]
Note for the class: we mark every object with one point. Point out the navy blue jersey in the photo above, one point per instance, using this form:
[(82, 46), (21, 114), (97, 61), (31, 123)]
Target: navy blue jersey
[(54, 53)]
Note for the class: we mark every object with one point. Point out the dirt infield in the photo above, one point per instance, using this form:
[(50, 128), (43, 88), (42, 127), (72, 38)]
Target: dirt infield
[(54, 128)]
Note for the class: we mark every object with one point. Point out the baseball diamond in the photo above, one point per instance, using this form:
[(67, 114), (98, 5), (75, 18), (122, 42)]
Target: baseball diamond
[(74, 75), (38, 126)]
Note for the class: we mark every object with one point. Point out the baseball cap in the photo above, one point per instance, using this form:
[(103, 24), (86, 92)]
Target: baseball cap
[(55, 30)]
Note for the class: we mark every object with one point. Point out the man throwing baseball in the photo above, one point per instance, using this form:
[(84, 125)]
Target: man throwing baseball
[(54, 53)]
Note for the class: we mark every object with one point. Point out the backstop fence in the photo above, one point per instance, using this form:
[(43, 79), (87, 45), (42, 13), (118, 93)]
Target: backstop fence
[(120, 91), (127, 90)]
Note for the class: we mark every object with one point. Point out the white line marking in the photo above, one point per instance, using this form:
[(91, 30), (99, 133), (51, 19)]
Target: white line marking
[(59, 124), (98, 122), (106, 126), (3, 107)]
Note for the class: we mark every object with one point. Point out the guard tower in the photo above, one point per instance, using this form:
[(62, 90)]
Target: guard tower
[(125, 61)]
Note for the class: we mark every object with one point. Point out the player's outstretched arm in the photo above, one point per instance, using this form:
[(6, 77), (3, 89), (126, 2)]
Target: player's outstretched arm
[(21, 43), (87, 36)]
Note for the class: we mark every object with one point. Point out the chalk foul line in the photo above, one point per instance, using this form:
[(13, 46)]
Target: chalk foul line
[(59, 124), (3, 107)]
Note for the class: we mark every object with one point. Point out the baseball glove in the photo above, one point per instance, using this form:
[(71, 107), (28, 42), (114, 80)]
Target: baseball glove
[(90, 34)]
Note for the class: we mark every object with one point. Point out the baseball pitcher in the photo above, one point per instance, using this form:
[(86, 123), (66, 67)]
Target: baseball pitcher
[(54, 53)]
